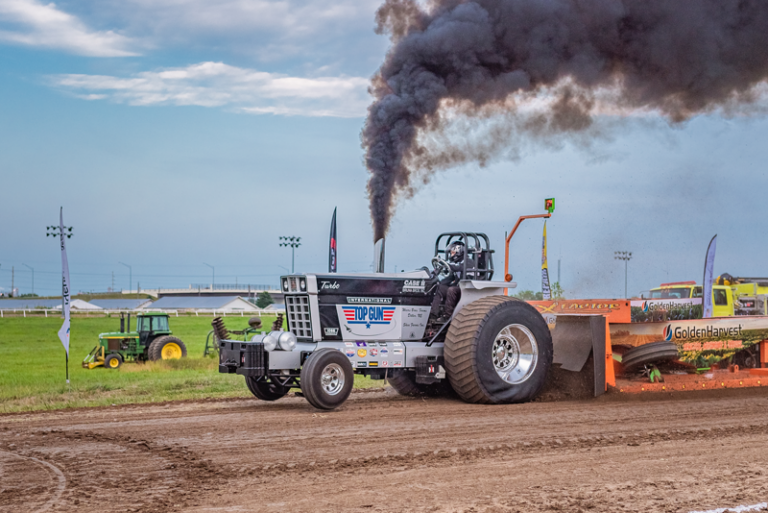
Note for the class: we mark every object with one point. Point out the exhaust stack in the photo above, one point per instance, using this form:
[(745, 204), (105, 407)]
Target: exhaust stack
[(378, 256)]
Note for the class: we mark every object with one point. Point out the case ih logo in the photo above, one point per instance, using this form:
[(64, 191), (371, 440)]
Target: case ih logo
[(368, 315)]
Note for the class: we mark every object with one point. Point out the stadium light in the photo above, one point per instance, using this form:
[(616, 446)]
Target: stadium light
[(626, 256), (293, 243)]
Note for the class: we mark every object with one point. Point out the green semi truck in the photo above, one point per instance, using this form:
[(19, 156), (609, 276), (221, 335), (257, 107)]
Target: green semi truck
[(152, 340)]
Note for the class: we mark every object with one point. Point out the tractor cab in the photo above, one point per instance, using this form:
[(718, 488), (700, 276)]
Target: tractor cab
[(478, 265), (150, 326)]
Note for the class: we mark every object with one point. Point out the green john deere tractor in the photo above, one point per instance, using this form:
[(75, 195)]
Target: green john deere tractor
[(152, 340)]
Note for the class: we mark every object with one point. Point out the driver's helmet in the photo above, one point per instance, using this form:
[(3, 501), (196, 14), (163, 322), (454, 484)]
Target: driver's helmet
[(455, 251)]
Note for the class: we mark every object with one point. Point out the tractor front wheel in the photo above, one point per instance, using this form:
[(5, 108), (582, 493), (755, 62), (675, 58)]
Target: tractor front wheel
[(113, 361), (327, 378), (167, 348)]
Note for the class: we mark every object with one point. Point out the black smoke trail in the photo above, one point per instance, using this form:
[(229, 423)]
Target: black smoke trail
[(678, 58)]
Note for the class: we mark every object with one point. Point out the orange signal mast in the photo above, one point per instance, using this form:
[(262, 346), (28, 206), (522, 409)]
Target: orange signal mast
[(549, 205)]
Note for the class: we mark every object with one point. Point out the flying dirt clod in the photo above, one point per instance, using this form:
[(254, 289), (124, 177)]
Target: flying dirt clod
[(584, 58)]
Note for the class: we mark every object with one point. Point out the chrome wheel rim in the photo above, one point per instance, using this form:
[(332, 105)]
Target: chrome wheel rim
[(514, 353), (332, 379)]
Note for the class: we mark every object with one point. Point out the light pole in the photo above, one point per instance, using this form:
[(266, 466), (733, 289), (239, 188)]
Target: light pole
[(130, 276), (626, 256), (33, 277), (293, 243), (60, 232), (213, 275)]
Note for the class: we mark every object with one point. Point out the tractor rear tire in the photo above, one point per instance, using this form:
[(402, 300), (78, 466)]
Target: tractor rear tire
[(498, 350), (113, 361), (167, 348), (327, 379), (649, 353), (265, 390), (404, 383)]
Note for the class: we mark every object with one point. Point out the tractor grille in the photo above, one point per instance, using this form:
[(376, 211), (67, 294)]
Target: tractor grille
[(299, 321)]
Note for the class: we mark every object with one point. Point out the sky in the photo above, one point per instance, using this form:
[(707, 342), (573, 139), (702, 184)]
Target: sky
[(180, 133)]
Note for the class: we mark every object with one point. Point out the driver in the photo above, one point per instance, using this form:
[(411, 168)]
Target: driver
[(448, 290)]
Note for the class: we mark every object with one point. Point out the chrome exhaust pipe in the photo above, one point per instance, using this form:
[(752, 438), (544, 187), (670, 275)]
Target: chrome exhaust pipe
[(378, 256)]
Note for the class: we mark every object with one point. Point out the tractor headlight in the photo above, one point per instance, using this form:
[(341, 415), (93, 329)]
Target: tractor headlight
[(285, 285), (287, 341), (270, 341), (303, 284)]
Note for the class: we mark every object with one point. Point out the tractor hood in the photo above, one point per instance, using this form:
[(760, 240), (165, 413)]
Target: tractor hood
[(351, 307)]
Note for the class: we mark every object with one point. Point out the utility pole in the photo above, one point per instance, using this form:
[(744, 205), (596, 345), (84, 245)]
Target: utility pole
[(113, 281), (213, 275), (293, 243), (626, 256), (33, 277), (558, 271), (130, 276), (13, 276)]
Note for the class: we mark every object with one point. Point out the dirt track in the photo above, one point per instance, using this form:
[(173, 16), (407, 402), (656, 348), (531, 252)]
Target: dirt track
[(383, 452)]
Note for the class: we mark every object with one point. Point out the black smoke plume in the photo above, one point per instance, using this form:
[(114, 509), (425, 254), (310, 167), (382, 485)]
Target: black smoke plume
[(582, 58)]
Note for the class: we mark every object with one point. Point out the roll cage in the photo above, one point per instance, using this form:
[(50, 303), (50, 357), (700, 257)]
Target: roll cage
[(478, 249)]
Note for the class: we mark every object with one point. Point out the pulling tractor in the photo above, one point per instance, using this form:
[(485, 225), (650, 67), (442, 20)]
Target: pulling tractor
[(152, 340), (491, 349)]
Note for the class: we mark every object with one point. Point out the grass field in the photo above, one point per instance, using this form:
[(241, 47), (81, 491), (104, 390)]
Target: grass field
[(32, 366)]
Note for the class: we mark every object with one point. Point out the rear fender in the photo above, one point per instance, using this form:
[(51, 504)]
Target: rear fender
[(472, 290)]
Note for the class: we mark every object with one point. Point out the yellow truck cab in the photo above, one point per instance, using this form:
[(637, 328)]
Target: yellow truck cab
[(722, 295), (751, 294)]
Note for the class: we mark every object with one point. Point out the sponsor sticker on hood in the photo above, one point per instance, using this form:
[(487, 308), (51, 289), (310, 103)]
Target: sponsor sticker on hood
[(368, 322)]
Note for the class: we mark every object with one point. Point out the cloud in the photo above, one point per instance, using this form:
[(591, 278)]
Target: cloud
[(29, 22), (215, 84), (269, 30), (291, 18)]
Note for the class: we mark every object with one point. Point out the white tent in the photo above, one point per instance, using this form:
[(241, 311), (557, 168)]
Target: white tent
[(206, 303), (79, 304)]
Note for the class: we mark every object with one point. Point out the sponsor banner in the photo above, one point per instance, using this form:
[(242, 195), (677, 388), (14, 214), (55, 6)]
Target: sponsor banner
[(653, 305), (709, 264), (64, 331), (699, 341), (332, 263), (615, 310)]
